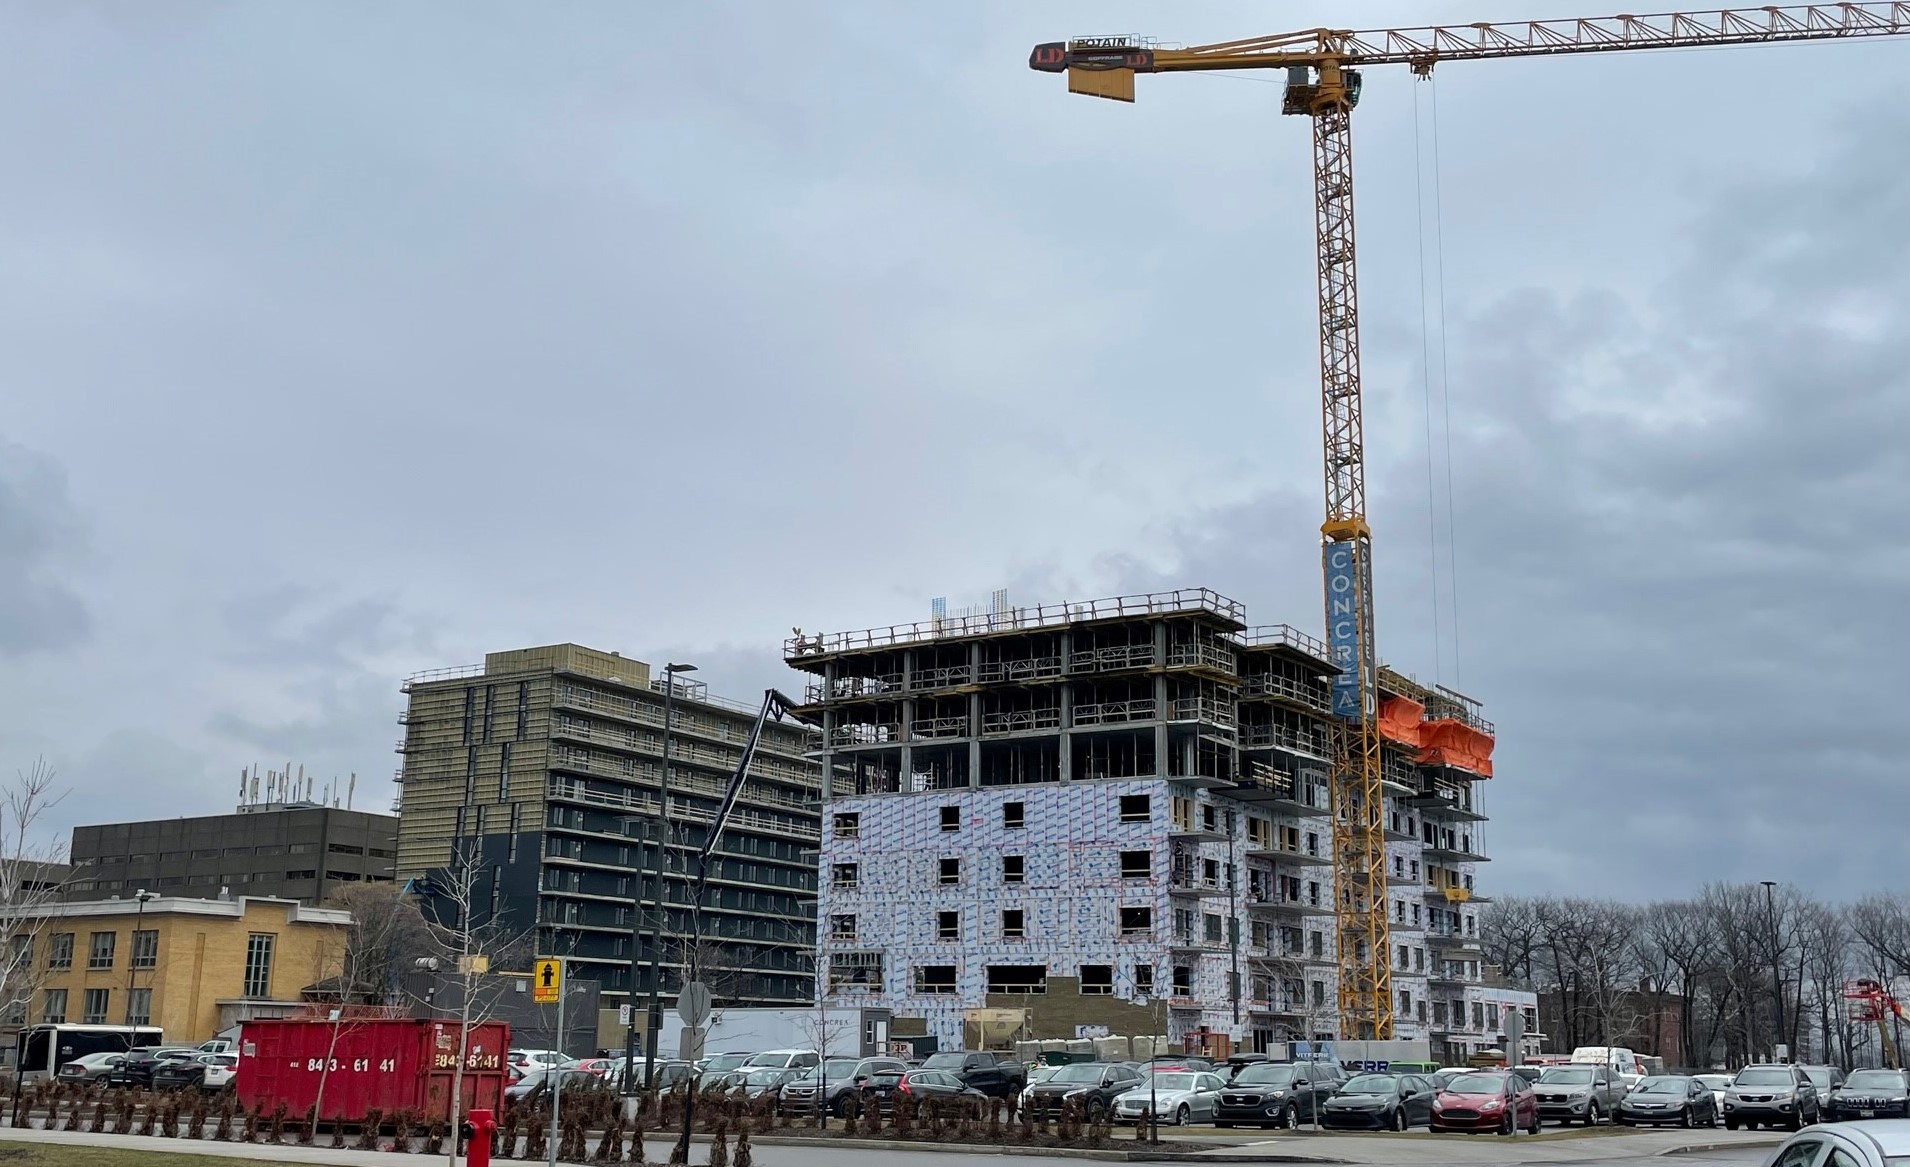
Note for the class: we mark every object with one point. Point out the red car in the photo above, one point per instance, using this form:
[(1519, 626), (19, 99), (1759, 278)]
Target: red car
[(1488, 1100)]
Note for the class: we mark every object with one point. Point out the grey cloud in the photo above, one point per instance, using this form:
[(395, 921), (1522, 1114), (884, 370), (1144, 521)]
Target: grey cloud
[(1681, 531), (39, 535)]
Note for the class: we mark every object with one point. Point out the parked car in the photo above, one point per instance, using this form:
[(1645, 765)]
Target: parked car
[(1443, 1078), (1379, 1102), (1869, 1143), (1231, 1068), (665, 1074), (1274, 1094), (782, 1059), (755, 1081), (1179, 1097), (137, 1067), (1865, 1094), (996, 1075), (599, 1067), (531, 1059), (179, 1074), (1191, 1062), (722, 1063), (222, 1070), (1485, 1100), (1772, 1095), (1717, 1084), (1094, 1085), (1587, 1093), (1665, 1098), (535, 1083), (1824, 1078), (90, 1067), (885, 1086), (833, 1084), (1529, 1073)]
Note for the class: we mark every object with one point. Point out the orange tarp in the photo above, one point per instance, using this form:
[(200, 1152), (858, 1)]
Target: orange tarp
[(1399, 720), (1454, 743)]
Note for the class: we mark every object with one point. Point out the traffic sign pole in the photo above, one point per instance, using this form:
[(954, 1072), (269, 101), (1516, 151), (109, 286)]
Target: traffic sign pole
[(556, 1072)]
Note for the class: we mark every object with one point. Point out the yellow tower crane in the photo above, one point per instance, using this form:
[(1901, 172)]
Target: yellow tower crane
[(1323, 83)]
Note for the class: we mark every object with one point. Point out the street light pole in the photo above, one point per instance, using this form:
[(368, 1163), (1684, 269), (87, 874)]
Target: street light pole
[(1777, 974), (654, 1012), (132, 955)]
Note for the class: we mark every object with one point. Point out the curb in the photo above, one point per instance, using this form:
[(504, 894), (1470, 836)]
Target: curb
[(1104, 1155), (1702, 1148)]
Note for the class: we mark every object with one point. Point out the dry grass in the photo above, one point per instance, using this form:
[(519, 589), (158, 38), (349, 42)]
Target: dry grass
[(55, 1155)]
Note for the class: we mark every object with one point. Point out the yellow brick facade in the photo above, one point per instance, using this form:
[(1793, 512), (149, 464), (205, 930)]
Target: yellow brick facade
[(199, 969)]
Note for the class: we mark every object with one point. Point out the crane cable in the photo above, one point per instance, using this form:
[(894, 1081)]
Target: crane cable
[(1428, 300)]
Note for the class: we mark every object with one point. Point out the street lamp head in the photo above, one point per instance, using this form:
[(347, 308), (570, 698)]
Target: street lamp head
[(144, 896), (673, 667), (1768, 883)]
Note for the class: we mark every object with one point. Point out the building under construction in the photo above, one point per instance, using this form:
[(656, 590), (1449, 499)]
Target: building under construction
[(1116, 814)]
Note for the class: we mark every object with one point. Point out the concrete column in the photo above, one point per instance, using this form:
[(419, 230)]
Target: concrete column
[(1066, 745)]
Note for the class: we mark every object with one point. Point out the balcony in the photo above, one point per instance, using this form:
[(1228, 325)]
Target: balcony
[(946, 677), (930, 728), (1019, 721), (1201, 654), (1294, 856), (1112, 659), (866, 734), (1186, 883), (1451, 941), (1266, 736), (1194, 942), (1455, 850), (1277, 791), (1188, 830), (1205, 709), (1115, 712), (1307, 695), (1285, 904), (1039, 668)]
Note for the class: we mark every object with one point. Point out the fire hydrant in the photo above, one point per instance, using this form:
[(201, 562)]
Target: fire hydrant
[(476, 1130)]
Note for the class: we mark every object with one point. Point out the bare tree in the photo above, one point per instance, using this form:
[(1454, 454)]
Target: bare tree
[(386, 936), (32, 878)]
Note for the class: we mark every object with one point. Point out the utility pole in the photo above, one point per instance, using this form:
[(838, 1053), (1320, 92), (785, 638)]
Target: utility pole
[(654, 1019), (1778, 1049)]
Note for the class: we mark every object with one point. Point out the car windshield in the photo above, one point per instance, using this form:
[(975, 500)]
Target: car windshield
[(769, 1059), (1874, 1080), (763, 1073), (1564, 1077), (1477, 1084), (1371, 1084), (1042, 1073), (1715, 1081), (1667, 1085), (1265, 1076), (1173, 1082), (1819, 1076), (1079, 1072), (944, 1061), (1768, 1077), (834, 1068), (721, 1062)]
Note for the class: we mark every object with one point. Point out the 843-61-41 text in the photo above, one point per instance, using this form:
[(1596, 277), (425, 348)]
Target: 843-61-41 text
[(362, 1065)]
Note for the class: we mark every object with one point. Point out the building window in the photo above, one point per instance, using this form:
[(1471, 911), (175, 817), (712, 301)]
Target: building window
[(1183, 981), (139, 1007), (99, 953), (951, 870), (1316, 944), (59, 951), (935, 978), (296, 876), (1136, 808), (1143, 978), (1013, 869), (258, 966), (948, 925), (1013, 926), (1406, 1002), (145, 948), (842, 927), (1097, 980), (1137, 921), (93, 1011), (1318, 994), (1137, 864), (849, 826), (1014, 815), (951, 818), (1017, 978), (842, 875), (53, 1007), (1211, 924)]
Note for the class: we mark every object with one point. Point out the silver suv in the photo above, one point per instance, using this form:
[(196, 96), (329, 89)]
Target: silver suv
[(1774, 1095), (1582, 1093)]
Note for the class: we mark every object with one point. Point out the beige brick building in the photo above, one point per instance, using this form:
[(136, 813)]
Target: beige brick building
[(190, 966)]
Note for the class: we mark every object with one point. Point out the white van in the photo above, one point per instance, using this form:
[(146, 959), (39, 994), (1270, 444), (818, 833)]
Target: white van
[(1624, 1063)]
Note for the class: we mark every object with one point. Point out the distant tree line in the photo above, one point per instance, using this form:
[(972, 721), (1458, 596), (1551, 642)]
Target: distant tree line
[(1708, 967)]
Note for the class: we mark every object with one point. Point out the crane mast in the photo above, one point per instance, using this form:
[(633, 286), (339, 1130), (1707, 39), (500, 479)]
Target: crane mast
[(1323, 84)]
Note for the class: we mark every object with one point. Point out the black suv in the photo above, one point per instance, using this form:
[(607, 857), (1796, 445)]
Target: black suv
[(1278, 1094), (1095, 1085), (136, 1068), (991, 1074), (1870, 1094)]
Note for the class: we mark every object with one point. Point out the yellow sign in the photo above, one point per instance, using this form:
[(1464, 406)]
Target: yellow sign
[(547, 981)]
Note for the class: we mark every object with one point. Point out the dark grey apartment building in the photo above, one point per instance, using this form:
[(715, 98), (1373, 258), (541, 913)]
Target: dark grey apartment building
[(545, 767), (297, 851)]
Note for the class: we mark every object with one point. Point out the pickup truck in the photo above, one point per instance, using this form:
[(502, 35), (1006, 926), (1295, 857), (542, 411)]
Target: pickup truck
[(1582, 1093), (996, 1075)]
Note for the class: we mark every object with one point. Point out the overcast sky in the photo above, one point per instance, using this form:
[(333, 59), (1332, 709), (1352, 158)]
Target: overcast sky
[(341, 342)]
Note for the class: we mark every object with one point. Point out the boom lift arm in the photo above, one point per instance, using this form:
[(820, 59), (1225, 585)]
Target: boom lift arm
[(1323, 83), (773, 702)]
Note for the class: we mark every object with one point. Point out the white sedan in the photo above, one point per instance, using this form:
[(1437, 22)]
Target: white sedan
[(1179, 1097), (1876, 1142), (220, 1069)]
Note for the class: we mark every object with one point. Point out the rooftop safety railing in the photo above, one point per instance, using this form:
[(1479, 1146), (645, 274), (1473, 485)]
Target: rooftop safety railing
[(1183, 600)]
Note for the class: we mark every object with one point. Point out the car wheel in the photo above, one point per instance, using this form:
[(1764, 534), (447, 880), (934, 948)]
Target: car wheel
[(1097, 1110), (1291, 1121), (1506, 1127), (1399, 1119), (1534, 1128), (1183, 1116), (1592, 1115), (1686, 1120)]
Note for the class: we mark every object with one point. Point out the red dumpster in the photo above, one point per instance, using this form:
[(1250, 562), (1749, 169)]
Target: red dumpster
[(392, 1065)]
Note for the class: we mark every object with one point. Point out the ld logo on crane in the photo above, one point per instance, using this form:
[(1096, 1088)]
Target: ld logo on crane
[(547, 982)]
